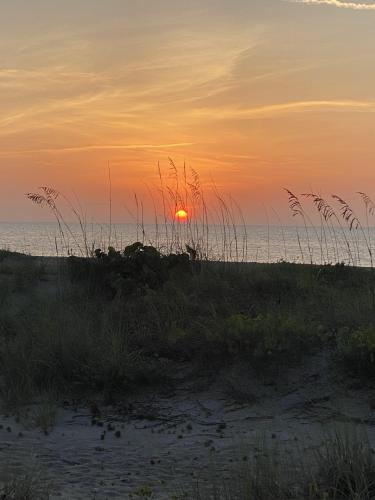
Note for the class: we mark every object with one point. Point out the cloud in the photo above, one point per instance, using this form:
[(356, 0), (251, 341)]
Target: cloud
[(338, 3), (94, 147), (288, 107)]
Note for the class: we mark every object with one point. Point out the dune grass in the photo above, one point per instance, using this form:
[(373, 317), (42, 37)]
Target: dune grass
[(215, 229), (342, 468), (109, 319), (30, 485), (116, 321)]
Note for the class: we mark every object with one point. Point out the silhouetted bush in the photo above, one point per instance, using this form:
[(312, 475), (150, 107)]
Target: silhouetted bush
[(136, 268)]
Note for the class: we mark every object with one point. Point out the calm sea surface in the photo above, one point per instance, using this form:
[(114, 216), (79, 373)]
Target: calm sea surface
[(250, 243)]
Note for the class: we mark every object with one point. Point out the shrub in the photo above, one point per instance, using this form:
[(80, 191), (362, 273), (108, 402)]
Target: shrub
[(136, 268), (265, 335), (358, 348)]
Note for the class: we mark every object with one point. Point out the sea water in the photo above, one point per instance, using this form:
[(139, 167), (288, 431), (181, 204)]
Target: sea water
[(257, 243)]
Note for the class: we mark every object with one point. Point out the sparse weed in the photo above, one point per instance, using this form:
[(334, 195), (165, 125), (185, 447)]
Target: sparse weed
[(30, 486), (346, 467), (343, 469), (45, 414)]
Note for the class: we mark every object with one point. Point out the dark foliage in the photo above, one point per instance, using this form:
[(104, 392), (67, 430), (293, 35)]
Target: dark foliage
[(134, 270), (116, 320)]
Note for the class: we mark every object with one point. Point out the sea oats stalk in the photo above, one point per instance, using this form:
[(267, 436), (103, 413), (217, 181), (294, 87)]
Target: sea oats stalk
[(298, 211), (370, 211), (328, 214), (48, 197), (353, 222)]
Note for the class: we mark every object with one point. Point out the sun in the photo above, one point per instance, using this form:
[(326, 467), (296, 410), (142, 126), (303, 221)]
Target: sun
[(181, 215)]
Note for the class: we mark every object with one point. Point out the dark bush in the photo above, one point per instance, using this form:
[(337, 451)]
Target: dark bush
[(135, 269)]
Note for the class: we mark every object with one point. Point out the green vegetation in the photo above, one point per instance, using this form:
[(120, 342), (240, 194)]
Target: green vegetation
[(118, 320)]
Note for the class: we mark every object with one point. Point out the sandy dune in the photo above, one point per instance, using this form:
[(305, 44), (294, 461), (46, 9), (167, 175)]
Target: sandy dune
[(167, 440)]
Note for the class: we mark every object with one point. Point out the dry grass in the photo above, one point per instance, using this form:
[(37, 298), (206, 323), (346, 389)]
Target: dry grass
[(29, 486), (343, 469), (346, 467)]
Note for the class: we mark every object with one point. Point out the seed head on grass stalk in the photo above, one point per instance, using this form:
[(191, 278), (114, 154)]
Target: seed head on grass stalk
[(298, 211), (353, 222), (165, 216), (347, 213), (370, 210), (323, 208), (370, 205), (47, 198), (199, 227), (294, 204), (328, 213), (196, 197)]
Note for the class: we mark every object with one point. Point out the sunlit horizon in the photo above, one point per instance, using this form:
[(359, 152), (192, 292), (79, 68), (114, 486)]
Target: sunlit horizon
[(254, 95)]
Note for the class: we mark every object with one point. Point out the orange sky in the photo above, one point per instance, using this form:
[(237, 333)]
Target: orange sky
[(256, 94)]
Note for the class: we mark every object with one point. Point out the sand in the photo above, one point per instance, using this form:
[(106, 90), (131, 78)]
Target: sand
[(171, 437)]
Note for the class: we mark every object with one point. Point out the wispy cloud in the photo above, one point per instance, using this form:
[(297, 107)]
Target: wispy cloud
[(338, 3), (94, 147), (288, 107), (111, 146)]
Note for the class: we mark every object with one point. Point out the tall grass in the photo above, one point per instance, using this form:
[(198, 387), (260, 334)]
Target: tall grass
[(328, 214), (216, 228), (48, 197), (297, 210), (209, 232), (345, 242)]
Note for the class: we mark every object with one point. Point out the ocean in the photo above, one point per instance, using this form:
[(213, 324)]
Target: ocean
[(256, 243)]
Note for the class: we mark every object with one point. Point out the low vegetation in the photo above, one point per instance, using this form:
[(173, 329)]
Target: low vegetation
[(29, 486), (117, 320), (342, 469)]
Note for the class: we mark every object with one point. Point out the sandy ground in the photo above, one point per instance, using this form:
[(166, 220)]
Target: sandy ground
[(165, 440)]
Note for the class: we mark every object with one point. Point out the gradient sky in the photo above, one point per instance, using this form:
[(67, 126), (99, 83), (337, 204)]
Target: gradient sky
[(256, 94)]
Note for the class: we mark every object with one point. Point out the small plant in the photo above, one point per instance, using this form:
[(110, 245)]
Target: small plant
[(357, 346), (264, 336), (31, 486), (259, 479), (346, 468), (45, 415), (142, 492)]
